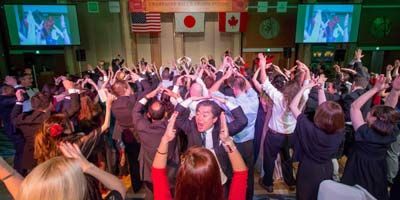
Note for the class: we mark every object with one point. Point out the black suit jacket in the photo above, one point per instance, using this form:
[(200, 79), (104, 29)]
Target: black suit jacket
[(350, 98), (150, 134), (194, 137), (122, 107), (6, 106), (28, 124)]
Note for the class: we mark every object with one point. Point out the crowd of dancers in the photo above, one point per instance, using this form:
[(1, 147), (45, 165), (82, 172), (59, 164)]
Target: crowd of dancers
[(195, 131)]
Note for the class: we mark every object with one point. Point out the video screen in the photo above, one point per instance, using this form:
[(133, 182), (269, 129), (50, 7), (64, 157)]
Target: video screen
[(42, 24), (322, 23)]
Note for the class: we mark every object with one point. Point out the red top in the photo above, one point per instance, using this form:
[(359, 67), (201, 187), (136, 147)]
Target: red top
[(161, 186)]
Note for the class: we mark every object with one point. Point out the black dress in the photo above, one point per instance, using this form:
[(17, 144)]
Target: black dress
[(314, 149), (366, 165)]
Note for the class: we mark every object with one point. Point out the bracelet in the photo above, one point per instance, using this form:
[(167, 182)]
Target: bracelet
[(229, 146), (165, 153), (8, 176)]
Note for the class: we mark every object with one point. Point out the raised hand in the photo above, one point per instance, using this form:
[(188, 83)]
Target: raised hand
[(153, 93), (10, 80), (68, 84), (358, 54), (311, 84), (228, 73), (389, 68), (224, 131), (262, 60), (102, 71), (170, 132), (72, 151), (380, 83), (110, 98), (170, 93), (20, 95), (321, 80), (397, 63), (396, 84)]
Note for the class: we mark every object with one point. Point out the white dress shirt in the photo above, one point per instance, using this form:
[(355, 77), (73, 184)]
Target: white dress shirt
[(282, 119)]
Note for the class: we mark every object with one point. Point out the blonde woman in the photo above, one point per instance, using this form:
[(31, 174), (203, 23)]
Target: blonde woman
[(64, 178), (60, 178)]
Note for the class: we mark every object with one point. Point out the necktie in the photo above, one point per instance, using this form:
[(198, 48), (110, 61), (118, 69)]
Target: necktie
[(203, 139)]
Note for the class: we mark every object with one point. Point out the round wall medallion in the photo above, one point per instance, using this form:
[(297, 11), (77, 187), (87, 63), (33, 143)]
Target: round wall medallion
[(381, 27), (269, 28)]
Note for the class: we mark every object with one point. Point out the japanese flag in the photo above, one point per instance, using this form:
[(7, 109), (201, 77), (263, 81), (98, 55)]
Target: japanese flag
[(233, 22), (189, 22)]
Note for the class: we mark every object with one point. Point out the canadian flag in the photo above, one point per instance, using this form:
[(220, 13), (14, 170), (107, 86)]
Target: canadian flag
[(233, 22), (189, 22)]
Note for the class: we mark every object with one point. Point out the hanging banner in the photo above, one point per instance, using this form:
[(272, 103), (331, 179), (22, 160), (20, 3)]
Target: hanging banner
[(192, 5), (136, 6)]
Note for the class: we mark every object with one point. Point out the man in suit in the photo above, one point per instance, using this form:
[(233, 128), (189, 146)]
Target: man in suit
[(203, 129), (358, 88), (124, 130), (151, 126), (28, 123), (7, 102), (124, 133)]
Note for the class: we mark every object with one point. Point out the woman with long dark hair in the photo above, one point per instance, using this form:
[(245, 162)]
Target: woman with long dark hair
[(199, 174)]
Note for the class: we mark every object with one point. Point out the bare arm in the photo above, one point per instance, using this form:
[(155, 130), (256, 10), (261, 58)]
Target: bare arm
[(321, 95), (393, 97), (294, 105), (160, 160), (350, 71), (233, 154), (255, 81), (106, 124), (110, 181), (218, 83), (10, 178), (355, 110)]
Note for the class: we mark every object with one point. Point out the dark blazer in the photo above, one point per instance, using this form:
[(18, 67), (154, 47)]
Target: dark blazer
[(150, 134), (350, 98), (6, 106), (122, 108), (122, 111), (312, 102), (72, 105), (28, 124), (194, 137)]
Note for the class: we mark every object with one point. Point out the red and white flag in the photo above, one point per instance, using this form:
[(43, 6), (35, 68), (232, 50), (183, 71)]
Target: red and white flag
[(189, 22), (233, 22)]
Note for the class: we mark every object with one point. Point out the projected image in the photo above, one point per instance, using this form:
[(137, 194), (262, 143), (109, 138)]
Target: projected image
[(42, 24), (327, 23)]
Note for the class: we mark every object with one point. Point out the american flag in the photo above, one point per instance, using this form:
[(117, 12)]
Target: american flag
[(145, 22)]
